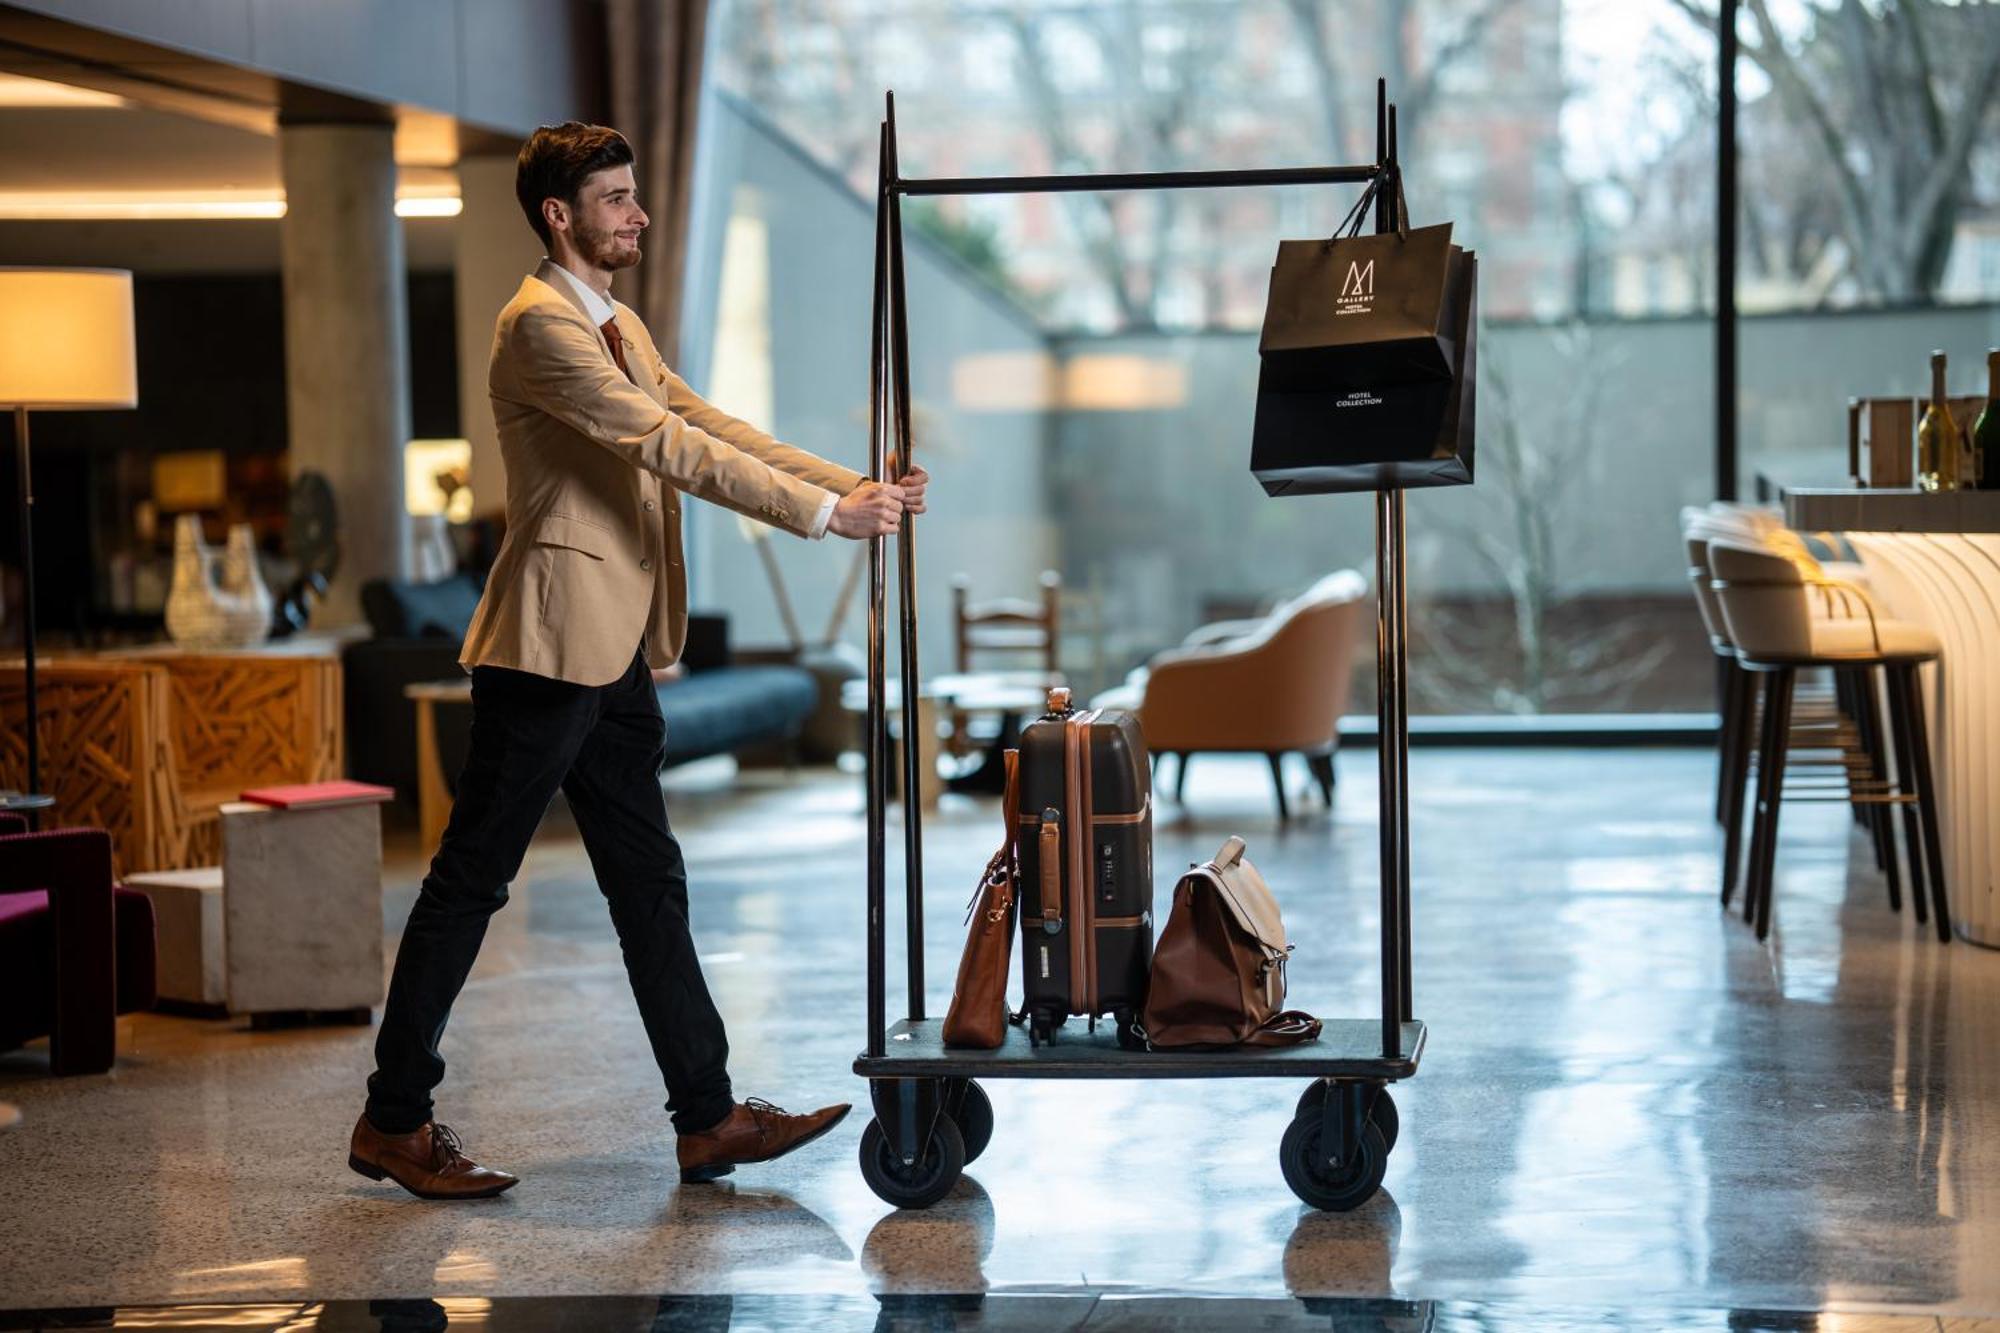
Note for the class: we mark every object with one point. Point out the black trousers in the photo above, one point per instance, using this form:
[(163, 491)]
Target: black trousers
[(603, 746)]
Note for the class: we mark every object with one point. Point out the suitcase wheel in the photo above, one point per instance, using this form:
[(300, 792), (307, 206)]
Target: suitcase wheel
[(1128, 1031), (1041, 1029), (921, 1183)]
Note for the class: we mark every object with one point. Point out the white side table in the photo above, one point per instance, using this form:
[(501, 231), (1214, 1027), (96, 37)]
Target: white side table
[(187, 912), (303, 911)]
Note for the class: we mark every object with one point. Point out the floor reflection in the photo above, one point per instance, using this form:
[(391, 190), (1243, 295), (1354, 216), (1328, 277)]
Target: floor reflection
[(1053, 1312), (1344, 1254), (941, 1249)]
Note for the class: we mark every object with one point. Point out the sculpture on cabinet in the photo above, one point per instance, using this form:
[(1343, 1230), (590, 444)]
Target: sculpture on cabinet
[(205, 614)]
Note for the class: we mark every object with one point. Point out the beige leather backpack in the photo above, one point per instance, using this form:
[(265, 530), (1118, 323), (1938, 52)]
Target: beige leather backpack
[(1219, 967)]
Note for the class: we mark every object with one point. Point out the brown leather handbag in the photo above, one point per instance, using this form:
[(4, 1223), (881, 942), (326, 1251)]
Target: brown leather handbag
[(978, 1014), (1219, 968)]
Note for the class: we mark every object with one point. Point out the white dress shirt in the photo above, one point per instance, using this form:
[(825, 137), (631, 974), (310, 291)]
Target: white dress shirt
[(600, 309)]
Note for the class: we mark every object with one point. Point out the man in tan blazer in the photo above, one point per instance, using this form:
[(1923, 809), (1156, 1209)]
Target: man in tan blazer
[(588, 594)]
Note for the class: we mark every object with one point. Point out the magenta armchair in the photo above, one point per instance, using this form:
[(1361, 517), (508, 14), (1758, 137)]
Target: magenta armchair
[(76, 950)]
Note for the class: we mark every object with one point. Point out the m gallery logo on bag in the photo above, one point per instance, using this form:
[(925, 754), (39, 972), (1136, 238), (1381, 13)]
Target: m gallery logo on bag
[(1357, 289)]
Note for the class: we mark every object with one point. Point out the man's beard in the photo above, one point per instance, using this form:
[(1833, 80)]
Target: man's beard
[(601, 248)]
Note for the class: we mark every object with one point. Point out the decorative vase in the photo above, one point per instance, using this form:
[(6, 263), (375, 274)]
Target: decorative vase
[(247, 601), (201, 615)]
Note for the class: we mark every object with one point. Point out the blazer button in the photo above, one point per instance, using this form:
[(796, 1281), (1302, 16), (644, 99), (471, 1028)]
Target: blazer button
[(645, 564), (649, 506)]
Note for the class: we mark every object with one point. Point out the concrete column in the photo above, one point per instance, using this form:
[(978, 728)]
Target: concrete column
[(347, 390), (495, 249)]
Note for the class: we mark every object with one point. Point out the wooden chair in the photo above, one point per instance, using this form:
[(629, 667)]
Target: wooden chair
[(1008, 625), (1011, 629)]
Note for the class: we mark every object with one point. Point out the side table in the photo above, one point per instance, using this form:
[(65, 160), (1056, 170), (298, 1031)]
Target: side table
[(187, 907), (302, 909), (433, 792), (930, 783), (27, 803)]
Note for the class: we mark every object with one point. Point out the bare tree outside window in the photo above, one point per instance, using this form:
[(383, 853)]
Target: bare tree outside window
[(1893, 105)]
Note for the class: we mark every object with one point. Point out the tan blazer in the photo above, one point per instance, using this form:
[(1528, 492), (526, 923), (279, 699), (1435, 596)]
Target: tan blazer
[(591, 570)]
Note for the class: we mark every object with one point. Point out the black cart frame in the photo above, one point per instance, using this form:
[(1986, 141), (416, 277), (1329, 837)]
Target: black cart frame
[(916, 1084)]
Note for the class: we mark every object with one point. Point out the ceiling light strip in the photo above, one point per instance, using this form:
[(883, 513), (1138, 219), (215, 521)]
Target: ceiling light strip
[(36, 207)]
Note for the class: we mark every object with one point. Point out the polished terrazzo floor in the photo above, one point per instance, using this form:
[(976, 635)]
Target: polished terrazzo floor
[(1627, 1104), (1090, 1312)]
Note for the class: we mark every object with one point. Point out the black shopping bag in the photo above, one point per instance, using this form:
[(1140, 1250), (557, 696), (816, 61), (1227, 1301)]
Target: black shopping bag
[(1368, 366), (1360, 311)]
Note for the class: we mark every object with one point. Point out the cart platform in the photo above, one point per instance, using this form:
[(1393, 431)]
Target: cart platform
[(1347, 1048)]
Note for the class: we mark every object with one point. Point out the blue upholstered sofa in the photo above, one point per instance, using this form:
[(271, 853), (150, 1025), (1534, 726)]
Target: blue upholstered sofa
[(714, 708)]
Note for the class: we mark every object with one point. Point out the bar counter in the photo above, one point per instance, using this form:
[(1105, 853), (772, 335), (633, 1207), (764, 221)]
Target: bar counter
[(1934, 560)]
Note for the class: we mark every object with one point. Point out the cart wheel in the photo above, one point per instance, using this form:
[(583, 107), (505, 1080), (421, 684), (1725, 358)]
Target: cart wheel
[(974, 1118), (1128, 1031), (921, 1184), (1323, 1184), (1383, 1114)]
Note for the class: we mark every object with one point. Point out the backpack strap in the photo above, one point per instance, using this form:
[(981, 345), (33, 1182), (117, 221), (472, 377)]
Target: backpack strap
[(1287, 1028)]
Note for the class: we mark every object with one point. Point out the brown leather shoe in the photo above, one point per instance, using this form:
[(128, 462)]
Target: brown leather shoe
[(428, 1162), (753, 1131)]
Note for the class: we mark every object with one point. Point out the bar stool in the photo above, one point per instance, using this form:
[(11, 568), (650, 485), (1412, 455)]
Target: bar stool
[(1737, 697), (1765, 603), (1841, 716)]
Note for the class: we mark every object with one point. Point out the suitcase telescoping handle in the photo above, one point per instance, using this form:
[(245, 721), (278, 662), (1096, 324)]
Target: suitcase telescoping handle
[(1059, 702)]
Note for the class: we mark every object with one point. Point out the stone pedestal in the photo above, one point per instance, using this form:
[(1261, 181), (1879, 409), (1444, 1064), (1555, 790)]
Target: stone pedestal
[(303, 909), (187, 911)]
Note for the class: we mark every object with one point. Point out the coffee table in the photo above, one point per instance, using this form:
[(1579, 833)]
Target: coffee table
[(28, 803), (1007, 695)]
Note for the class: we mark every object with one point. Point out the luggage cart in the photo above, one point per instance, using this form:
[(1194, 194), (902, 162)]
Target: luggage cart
[(931, 1117)]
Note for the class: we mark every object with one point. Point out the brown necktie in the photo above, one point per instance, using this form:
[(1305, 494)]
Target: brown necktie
[(610, 331)]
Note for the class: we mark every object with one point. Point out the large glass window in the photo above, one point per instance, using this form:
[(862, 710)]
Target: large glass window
[(1085, 366), (1870, 216)]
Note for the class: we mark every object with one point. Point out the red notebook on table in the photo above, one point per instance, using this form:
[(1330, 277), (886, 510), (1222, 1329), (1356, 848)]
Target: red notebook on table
[(313, 795)]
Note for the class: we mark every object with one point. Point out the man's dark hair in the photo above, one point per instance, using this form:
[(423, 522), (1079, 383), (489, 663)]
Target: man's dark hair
[(557, 160)]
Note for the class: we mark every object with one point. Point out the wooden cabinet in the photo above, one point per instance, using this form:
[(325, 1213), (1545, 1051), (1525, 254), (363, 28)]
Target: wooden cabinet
[(149, 746)]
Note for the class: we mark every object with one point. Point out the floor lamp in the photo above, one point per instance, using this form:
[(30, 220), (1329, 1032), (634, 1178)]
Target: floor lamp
[(66, 345)]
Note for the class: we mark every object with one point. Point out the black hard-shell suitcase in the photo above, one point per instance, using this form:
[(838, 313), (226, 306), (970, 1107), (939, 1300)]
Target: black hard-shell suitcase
[(1086, 856)]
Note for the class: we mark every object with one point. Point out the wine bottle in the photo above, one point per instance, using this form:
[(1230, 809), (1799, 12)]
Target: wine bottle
[(1986, 431), (1939, 440), (1854, 442)]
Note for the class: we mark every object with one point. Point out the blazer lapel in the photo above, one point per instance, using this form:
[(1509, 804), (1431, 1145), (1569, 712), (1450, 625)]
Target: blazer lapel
[(546, 273)]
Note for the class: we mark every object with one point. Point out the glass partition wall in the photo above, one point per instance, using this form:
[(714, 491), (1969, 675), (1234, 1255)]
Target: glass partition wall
[(1084, 366)]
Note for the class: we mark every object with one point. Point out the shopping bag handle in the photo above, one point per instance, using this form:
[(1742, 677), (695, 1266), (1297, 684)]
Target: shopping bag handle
[(1350, 226)]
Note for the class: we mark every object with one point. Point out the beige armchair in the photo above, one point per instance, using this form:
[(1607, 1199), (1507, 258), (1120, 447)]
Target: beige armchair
[(1270, 686)]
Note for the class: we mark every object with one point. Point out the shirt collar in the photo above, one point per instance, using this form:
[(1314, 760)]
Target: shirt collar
[(596, 306)]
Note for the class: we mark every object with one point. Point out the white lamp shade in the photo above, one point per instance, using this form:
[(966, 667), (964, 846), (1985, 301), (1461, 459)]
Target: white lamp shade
[(66, 338)]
